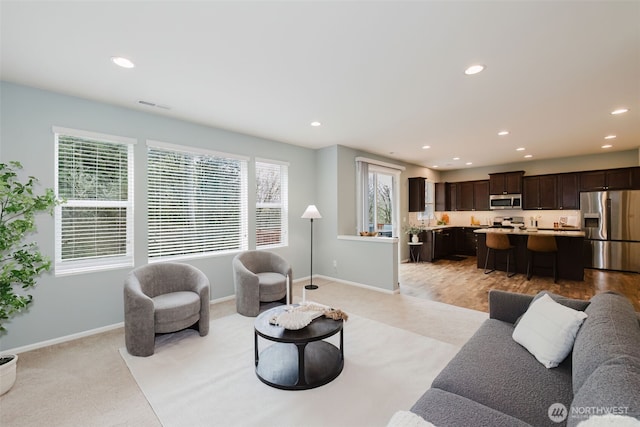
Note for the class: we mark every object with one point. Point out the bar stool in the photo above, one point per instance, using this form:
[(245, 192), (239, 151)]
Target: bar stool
[(542, 245), (499, 242)]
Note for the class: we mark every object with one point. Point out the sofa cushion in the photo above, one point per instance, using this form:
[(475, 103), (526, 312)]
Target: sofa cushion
[(273, 286), (548, 329), (614, 387), (495, 371), (447, 409), (611, 330), (176, 310)]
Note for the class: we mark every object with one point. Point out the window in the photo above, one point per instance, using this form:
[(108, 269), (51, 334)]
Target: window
[(429, 212), (271, 204), (197, 202), (94, 227), (378, 201)]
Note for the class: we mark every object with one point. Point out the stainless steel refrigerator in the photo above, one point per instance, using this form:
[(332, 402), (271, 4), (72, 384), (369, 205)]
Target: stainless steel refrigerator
[(611, 222)]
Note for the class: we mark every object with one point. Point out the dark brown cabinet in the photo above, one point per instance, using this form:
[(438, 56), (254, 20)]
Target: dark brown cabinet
[(472, 196), (443, 197), (416, 194), (568, 191), (465, 240), (540, 192), (464, 200), (635, 178), (453, 196), (611, 179), (506, 183), (481, 195)]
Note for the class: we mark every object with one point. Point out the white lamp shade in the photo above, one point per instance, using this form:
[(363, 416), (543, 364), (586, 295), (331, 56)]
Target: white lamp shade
[(311, 213)]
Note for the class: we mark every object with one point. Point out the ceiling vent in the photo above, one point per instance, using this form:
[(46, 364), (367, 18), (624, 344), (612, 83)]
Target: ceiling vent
[(153, 104)]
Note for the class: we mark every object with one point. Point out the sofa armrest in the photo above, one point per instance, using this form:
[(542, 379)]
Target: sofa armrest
[(507, 306)]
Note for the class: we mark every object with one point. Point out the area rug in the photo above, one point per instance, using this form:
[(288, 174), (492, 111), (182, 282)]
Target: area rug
[(211, 381)]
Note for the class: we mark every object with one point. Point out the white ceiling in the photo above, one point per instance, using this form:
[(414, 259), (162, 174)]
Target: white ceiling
[(385, 77)]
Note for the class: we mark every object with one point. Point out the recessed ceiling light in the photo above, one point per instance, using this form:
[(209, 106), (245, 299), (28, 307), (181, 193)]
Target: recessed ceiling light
[(619, 111), (520, 149), (607, 146), (456, 158), (528, 156), (122, 62), (435, 166), (474, 69), (468, 163), (503, 132), (426, 147), (315, 124), (610, 137)]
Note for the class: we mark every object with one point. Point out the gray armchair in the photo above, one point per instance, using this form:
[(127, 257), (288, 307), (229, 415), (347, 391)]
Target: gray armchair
[(260, 276), (161, 298)]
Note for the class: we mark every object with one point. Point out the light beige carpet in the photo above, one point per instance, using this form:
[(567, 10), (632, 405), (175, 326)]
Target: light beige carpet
[(211, 381)]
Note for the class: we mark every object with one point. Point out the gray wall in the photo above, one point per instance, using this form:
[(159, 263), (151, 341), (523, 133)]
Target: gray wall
[(373, 264), (73, 304)]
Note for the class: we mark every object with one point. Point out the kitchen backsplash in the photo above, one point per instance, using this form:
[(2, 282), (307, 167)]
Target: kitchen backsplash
[(546, 218)]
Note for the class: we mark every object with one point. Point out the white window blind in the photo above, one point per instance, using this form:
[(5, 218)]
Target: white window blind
[(272, 216), (197, 202), (94, 227)]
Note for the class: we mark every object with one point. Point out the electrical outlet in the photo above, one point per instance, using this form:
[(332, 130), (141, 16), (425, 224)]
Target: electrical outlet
[(335, 264)]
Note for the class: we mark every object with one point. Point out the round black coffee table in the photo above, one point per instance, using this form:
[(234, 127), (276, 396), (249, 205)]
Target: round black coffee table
[(300, 359)]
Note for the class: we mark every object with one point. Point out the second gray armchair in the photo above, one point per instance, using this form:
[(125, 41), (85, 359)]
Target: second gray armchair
[(260, 276)]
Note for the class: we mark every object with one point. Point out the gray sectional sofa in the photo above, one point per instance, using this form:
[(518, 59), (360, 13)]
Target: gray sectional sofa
[(494, 381)]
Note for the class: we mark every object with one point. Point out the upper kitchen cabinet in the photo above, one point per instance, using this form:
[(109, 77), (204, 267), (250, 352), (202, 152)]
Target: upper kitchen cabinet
[(635, 178), (443, 196), (416, 194), (540, 192), (481, 195), (506, 182), (610, 179), (568, 191), (472, 196)]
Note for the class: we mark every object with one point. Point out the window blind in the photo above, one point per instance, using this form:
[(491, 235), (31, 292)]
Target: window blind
[(196, 202), (94, 227), (271, 204)]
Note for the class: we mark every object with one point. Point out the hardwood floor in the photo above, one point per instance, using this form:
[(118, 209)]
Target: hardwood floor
[(461, 283)]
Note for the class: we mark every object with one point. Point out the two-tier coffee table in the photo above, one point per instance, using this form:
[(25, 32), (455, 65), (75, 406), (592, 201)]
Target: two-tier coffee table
[(300, 359)]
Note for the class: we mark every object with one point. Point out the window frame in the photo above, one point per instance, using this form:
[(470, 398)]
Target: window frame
[(195, 151), (93, 264), (283, 205)]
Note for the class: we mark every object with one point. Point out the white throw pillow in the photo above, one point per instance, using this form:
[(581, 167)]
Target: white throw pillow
[(548, 329)]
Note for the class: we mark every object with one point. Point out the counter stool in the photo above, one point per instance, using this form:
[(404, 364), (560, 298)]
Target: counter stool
[(499, 242), (542, 245)]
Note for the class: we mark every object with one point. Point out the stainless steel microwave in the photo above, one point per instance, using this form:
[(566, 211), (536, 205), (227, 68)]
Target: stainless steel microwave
[(505, 201)]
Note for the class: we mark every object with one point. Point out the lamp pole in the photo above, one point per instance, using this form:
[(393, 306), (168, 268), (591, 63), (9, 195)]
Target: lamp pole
[(311, 285), (310, 213)]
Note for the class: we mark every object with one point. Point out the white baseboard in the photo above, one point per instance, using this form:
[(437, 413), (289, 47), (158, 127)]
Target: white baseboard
[(66, 338), (83, 334)]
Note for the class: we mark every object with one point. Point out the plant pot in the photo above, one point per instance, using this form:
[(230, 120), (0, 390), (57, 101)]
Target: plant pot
[(8, 365), (415, 238)]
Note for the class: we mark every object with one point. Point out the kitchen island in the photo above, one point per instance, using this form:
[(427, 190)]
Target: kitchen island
[(570, 252)]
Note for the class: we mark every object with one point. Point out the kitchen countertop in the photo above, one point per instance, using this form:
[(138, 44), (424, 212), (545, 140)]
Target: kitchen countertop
[(539, 232)]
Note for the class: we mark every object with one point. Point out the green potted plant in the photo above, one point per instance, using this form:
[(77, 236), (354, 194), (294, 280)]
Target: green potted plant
[(413, 231), (21, 262)]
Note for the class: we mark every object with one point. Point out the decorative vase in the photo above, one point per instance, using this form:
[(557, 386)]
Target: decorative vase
[(415, 238), (7, 372)]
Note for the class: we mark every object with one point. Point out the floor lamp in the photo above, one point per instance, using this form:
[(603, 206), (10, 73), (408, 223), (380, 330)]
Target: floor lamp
[(311, 213)]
